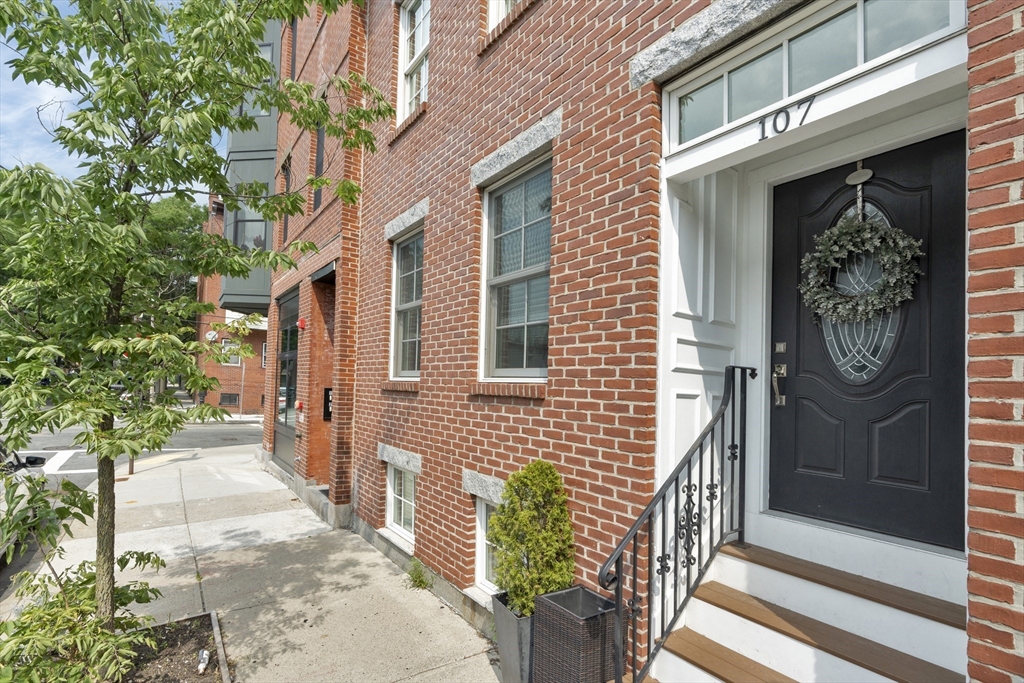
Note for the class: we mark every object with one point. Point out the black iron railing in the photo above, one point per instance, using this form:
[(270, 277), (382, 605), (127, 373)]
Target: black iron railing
[(659, 564)]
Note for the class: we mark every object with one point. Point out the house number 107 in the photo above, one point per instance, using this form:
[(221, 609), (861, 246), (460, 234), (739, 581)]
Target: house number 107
[(781, 119)]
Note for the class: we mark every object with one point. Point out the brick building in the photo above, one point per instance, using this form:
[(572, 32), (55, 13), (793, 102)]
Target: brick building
[(241, 381), (584, 212)]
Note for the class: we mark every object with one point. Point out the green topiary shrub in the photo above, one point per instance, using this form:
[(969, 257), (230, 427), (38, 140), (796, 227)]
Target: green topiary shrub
[(535, 552)]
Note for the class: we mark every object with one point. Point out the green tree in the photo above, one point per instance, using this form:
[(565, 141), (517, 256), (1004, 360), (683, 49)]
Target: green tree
[(85, 305), (177, 220)]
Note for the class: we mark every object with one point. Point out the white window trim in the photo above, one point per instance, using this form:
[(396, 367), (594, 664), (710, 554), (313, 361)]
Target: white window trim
[(226, 344), (396, 374), (390, 523), (779, 36), (481, 546), (405, 65), (486, 337), (498, 10)]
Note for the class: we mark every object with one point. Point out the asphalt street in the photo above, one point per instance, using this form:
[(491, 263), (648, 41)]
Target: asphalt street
[(66, 460)]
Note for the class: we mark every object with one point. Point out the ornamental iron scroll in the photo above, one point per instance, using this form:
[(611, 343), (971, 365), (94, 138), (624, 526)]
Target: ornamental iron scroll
[(669, 548), (688, 524)]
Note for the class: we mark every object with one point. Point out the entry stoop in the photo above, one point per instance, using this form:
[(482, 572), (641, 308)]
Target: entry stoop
[(760, 615)]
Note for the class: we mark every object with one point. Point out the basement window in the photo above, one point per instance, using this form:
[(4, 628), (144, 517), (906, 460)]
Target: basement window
[(401, 512), (485, 576), (229, 399)]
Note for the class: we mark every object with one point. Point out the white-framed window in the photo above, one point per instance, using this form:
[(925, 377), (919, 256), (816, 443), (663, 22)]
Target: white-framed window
[(227, 345), (414, 42), (401, 507), (812, 54), (518, 264), (498, 10), (485, 577), (408, 305), (263, 357)]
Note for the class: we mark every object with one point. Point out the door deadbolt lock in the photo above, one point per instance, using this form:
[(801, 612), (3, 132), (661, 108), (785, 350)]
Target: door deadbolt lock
[(778, 370)]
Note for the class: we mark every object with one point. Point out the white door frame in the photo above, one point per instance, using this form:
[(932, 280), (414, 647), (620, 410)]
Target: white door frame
[(898, 118)]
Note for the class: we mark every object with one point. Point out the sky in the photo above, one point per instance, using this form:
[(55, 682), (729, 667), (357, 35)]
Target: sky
[(25, 136)]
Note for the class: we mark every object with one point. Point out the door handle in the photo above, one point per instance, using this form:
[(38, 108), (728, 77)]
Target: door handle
[(778, 370)]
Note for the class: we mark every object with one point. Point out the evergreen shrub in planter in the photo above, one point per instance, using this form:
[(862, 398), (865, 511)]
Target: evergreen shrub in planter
[(535, 553)]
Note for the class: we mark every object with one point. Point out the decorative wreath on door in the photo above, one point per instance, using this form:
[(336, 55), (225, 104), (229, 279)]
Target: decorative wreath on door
[(894, 251)]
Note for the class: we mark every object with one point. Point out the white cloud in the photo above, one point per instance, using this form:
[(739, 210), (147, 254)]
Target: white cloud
[(25, 129)]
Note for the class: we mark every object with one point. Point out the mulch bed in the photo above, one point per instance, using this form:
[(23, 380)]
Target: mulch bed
[(176, 658)]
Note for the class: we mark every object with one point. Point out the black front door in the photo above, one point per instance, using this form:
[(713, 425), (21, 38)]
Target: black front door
[(871, 432)]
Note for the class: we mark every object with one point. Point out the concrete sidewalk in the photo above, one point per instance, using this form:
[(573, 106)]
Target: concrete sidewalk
[(297, 601)]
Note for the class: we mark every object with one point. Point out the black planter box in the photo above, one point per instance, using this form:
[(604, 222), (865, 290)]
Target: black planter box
[(573, 637), (513, 635)]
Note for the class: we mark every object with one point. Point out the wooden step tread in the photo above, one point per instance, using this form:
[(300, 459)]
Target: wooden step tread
[(718, 660), (926, 606), (868, 654)]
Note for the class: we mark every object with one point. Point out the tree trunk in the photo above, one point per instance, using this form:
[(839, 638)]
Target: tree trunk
[(105, 541)]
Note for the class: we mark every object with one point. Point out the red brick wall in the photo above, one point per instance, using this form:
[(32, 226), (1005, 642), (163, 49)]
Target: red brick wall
[(326, 346), (596, 418), (996, 347), (251, 394)]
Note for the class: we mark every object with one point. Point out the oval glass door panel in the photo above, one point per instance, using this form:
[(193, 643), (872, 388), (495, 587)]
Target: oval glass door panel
[(859, 349)]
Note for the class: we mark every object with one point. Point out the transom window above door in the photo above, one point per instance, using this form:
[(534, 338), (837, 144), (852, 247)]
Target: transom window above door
[(837, 43)]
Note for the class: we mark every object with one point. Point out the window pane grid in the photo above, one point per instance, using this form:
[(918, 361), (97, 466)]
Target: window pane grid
[(403, 499), (416, 84), (417, 42), (487, 573), (499, 9), (227, 345), (521, 220), (408, 305), (833, 46)]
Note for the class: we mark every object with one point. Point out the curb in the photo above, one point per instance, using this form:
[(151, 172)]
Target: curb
[(222, 657)]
